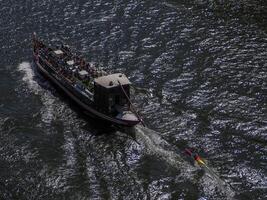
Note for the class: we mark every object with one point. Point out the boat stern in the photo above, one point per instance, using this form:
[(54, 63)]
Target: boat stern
[(128, 117)]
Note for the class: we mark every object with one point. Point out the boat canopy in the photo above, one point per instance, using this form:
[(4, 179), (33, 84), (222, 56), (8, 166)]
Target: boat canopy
[(112, 80)]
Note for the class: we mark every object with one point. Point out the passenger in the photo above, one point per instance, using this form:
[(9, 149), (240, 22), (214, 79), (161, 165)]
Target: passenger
[(82, 63)]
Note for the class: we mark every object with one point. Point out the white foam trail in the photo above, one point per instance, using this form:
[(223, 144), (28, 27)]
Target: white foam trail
[(220, 183), (28, 77), (93, 181), (48, 100), (48, 111), (156, 145)]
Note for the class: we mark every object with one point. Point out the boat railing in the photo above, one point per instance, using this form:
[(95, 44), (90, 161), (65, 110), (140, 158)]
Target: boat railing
[(59, 64)]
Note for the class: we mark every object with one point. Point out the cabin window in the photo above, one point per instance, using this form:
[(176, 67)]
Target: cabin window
[(111, 101), (123, 101), (117, 99)]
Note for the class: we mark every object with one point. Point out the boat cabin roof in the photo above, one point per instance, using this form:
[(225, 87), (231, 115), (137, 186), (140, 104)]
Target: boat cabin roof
[(112, 80)]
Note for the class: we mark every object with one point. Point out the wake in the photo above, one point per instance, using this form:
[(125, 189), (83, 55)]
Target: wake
[(29, 77), (48, 100), (156, 145)]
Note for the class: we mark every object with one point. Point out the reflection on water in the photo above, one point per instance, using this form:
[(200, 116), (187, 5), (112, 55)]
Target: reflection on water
[(200, 81)]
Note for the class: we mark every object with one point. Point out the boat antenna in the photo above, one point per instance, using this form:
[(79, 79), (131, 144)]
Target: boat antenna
[(131, 104)]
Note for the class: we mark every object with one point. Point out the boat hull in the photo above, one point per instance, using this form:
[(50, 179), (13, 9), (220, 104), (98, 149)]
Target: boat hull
[(87, 109)]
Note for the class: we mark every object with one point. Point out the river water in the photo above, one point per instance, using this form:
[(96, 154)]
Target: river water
[(199, 81)]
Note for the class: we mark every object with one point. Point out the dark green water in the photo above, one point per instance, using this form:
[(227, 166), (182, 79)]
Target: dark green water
[(200, 78)]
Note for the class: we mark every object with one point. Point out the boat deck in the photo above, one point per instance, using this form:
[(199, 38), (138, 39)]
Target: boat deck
[(70, 66)]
